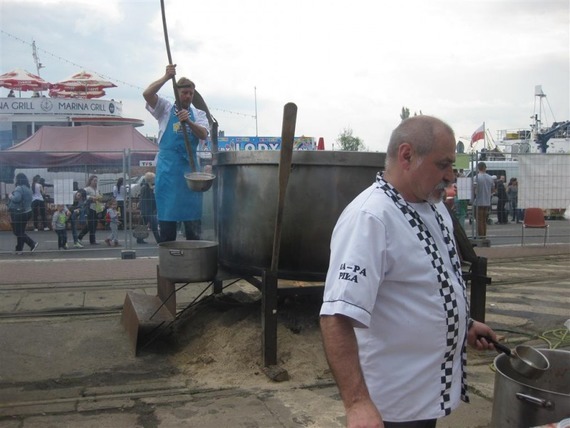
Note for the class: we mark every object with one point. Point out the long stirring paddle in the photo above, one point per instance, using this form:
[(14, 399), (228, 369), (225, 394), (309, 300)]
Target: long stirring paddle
[(175, 87)]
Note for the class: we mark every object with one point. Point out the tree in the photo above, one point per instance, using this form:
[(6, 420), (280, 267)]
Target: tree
[(348, 142), (460, 147), (405, 113)]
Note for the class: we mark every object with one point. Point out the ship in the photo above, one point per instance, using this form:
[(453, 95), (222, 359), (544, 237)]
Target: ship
[(539, 137), (21, 117)]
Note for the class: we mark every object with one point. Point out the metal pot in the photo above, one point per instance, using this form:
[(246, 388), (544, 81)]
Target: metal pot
[(522, 402), (188, 261), (321, 185), (199, 181)]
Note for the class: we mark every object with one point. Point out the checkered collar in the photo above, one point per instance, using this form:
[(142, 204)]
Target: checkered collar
[(418, 225)]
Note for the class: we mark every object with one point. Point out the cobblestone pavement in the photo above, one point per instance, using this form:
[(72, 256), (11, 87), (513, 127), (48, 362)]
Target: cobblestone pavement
[(76, 368)]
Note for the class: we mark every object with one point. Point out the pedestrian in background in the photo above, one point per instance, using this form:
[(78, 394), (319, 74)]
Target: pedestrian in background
[(484, 186), (76, 209), (20, 208), (147, 205), (39, 204), (59, 224), (502, 199), (513, 196), (460, 205), (93, 201), (112, 217), (119, 195), (395, 316)]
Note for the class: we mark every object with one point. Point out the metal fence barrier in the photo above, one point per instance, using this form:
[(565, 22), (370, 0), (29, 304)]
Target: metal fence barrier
[(542, 182), (107, 166)]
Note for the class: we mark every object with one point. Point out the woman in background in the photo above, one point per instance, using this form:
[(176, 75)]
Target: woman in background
[(95, 207), (38, 204), (513, 195), (78, 214), (147, 206), (119, 196)]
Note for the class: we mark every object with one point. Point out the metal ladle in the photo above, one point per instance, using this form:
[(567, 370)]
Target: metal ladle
[(196, 180), (524, 359)]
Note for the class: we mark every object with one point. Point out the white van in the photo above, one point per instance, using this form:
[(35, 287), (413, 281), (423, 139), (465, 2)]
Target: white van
[(509, 169)]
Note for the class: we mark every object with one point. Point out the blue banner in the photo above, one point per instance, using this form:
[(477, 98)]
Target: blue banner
[(263, 143)]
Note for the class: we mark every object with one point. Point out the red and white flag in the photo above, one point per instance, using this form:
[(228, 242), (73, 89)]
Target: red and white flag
[(479, 134)]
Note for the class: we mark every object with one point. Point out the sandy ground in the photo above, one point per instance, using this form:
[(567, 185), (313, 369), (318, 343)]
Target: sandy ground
[(213, 352)]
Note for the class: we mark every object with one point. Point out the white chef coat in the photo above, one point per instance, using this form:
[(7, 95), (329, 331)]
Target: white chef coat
[(381, 276)]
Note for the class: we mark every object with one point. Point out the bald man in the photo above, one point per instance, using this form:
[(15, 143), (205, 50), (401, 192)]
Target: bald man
[(395, 318)]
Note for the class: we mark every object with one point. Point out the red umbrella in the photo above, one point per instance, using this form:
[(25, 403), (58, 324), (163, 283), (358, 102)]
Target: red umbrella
[(22, 80), (59, 93), (321, 144), (83, 81)]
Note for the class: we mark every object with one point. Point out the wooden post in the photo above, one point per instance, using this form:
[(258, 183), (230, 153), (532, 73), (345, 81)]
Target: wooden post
[(269, 317)]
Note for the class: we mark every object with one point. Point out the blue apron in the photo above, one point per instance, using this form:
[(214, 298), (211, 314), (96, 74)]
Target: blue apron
[(174, 200)]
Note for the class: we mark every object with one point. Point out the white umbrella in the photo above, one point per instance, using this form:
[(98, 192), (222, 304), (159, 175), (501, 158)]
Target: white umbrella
[(60, 93), (22, 80), (84, 81)]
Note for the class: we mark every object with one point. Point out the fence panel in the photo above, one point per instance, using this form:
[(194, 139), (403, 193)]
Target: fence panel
[(543, 181), (109, 167)]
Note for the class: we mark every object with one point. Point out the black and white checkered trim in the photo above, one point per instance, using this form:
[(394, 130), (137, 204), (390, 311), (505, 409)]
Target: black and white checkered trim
[(446, 289)]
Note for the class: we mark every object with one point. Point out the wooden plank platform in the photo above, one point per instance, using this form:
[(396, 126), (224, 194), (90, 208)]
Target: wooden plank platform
[(142, 317)]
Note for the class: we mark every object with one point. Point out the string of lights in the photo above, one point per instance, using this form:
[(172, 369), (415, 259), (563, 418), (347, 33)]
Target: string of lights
[(67, 61)]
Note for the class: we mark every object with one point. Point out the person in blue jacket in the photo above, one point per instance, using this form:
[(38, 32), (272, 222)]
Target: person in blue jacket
[(20, 208), (174, 200)]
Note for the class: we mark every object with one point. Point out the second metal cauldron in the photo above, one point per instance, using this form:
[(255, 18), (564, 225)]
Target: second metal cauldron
[(522, 402), (320, 186)]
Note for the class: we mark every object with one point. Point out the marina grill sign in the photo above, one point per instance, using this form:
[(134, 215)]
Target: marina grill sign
[(67, 106)]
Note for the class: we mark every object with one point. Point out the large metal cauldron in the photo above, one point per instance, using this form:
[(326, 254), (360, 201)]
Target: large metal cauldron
[(522, 402), (320, 186)]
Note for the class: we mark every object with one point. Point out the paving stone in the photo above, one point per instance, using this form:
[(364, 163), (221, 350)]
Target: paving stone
[(37, 409), (105, 404), (47, 301), (9, 301), (151, 385), (109, 420)]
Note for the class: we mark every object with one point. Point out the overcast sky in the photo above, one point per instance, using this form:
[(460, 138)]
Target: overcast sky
[(345, 64)]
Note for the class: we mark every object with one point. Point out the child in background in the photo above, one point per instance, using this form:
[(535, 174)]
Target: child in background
[(113, 218), (59, 224), (77, 216)]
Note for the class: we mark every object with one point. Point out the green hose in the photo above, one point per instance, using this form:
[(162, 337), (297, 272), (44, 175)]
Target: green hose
[(556, 338)]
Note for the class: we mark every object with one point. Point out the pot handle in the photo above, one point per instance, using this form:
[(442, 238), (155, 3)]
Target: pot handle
[(176, 252), (547, 404)]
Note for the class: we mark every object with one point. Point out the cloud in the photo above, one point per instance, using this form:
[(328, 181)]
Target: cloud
[(344, 65)]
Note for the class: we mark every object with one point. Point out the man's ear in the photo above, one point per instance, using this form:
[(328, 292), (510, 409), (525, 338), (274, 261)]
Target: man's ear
[(405, 152)]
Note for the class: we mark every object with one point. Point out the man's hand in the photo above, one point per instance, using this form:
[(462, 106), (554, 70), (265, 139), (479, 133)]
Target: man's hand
[(170, 71), (363, 415), (475, 336), (183, 115)]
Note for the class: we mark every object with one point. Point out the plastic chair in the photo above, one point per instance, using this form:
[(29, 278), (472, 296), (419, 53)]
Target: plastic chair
[(534, 219)]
